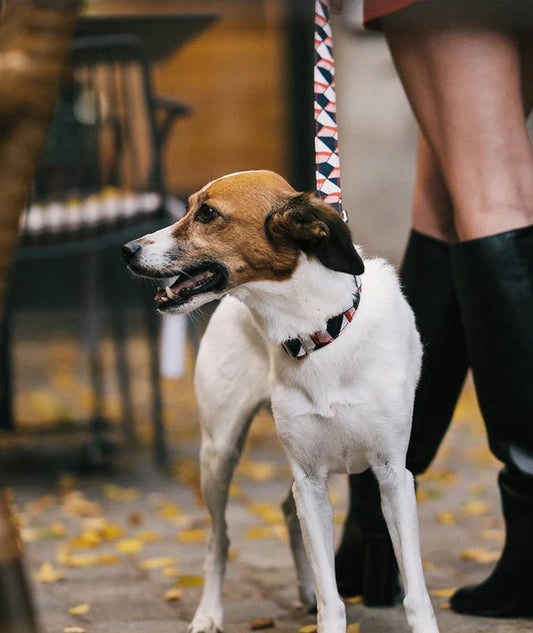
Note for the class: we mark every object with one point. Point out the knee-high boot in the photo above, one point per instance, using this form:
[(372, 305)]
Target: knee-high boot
[(493, 278), (365, 562)]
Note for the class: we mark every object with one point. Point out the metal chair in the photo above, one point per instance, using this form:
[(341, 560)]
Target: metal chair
[(99, 184)]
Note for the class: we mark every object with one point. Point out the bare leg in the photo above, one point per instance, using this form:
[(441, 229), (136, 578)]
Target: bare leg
[(432, 207), (461, 68)]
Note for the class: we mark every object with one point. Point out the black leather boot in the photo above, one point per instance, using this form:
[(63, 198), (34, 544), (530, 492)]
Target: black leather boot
[(365, 563), (494, 282), (508, 591)]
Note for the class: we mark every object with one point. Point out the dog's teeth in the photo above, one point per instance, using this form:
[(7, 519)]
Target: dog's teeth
[(169, 293)]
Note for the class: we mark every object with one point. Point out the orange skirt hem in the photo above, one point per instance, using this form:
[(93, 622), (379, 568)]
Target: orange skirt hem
[(373, 10)]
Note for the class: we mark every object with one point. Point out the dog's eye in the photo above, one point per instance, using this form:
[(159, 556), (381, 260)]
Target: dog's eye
[(205, 214)]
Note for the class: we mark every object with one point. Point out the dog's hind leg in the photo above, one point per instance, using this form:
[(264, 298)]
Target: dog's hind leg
[(231, 381), (398, 502), (306, 587)]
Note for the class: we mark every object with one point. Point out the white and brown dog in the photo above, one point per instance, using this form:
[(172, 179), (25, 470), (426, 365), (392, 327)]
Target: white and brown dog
[(294, 283)]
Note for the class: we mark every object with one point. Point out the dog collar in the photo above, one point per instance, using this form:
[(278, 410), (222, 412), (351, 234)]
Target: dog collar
[(301, 346)]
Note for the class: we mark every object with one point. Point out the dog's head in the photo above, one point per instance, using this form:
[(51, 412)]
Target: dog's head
[(245, 227)]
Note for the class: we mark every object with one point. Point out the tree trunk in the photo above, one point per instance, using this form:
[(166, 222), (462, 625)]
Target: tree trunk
[(34, 38)]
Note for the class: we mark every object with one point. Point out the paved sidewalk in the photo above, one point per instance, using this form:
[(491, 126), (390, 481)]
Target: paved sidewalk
[(120, 542)]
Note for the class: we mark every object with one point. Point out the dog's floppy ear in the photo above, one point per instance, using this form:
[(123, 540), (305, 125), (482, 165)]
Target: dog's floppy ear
[(315, 228)]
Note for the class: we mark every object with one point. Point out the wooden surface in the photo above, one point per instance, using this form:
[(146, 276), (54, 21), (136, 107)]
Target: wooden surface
[(232, 76)]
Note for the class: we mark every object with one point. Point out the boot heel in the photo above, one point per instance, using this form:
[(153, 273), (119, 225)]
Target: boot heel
[(380, 577)]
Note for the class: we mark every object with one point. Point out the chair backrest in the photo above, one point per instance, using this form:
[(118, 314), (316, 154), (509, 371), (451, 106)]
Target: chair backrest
[(102, 162)]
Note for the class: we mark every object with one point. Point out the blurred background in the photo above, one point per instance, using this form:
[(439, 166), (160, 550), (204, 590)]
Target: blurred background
[(161, 97)]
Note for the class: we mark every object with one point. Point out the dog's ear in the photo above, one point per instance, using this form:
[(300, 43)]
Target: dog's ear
[(315, 228)]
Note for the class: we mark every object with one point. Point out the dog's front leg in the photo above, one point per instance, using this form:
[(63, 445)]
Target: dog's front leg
[(217, 462), (398, 501), (316, 520)]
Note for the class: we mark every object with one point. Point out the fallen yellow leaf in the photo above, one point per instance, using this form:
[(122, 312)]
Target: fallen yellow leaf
[(479, 555), (80, 609), (74, 629), (445, 605), (191, 581), (116, 493), (169, 511), (175, 593), (157, 563), (446, 518), (475, 508), (47, 573), (353, 628), (493, 534), (76, 503), (258, 471), (191, 536), (170, 572), (85, 560), (442, 593), (130, 546), (308, 628), (353, 600), (85, 540), (148, 536), (267, 531), (267, 512)]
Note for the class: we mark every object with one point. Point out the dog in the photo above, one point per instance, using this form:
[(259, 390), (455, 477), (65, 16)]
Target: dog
[(324, 337)]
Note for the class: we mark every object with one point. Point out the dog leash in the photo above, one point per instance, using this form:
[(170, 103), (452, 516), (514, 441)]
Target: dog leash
[(328, 182)]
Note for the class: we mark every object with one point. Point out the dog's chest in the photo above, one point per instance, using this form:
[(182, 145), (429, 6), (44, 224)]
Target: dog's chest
[(323, 416)]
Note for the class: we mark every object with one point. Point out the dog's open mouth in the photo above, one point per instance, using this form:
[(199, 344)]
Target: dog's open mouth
[(191, 281)]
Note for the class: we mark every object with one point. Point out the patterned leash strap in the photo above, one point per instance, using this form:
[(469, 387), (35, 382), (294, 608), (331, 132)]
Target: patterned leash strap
[(328, 183)]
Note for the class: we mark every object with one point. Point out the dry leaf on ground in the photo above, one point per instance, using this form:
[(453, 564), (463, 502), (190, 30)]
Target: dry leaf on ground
[(479, 555), (130, 546), (80, 609), (261, 623), (74, 629), (308, 628), (446, 518), (475, 508), (157, 563), (442, 593), (190, 581), (47, 573), (353, 600), (116, 493), (175, 593), (191, 536), (353, 628)]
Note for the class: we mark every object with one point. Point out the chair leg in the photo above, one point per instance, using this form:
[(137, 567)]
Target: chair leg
[(123, 372), (160, 445), (6, 401), (91, 304)]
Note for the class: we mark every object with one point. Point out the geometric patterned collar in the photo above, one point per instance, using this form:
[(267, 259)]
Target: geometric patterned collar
[(301, 346)]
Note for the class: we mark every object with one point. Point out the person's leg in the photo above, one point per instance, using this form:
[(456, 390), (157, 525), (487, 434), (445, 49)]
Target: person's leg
[(462, 65)]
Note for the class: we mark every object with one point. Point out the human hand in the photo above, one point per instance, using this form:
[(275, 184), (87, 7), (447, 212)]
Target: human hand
[(335, 6)]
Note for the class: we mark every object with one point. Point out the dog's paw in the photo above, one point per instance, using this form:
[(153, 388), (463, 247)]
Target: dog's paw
[(204, 623)]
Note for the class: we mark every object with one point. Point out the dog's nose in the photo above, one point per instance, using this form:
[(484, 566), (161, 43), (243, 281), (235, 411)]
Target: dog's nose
[(129, 250)]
